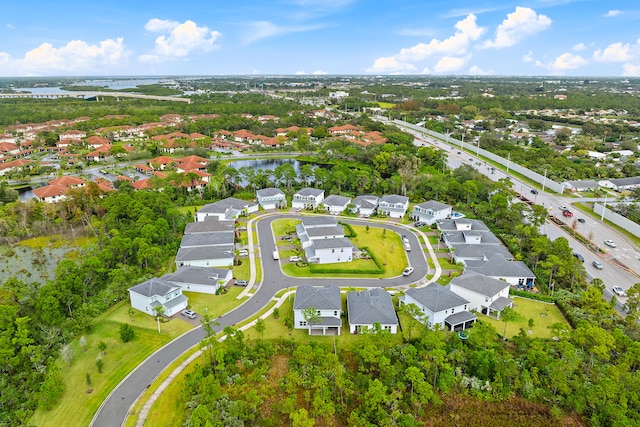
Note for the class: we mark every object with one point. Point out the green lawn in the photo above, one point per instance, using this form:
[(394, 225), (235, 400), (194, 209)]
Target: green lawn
[(543, 315), (76, 407), (214, 305)]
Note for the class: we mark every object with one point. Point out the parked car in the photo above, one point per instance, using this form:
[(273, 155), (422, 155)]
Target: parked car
[(287, 238), (598, 265), (610, 243), (581, 220), (241, 282), (407, 271), (534, 191), (619, 291), (243, 252), (242, 228), (420, 224), (188, 313), (295, 258), (578, 256)]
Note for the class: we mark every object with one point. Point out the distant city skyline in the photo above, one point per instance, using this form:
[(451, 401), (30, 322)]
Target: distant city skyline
[(318, 37)]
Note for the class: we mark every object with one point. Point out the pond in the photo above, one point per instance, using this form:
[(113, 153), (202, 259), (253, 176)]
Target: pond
[(29, 264), (264, 165)]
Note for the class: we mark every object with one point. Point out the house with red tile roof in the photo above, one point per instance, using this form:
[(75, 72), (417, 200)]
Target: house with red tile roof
[(9, 148), (96, 141), (343, 130), (242, 135), (161, 162), (14, 165), (74, 135), (100, 154)]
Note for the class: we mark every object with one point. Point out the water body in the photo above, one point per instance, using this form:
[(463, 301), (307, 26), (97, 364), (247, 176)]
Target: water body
[(265, 165), (115, 84)]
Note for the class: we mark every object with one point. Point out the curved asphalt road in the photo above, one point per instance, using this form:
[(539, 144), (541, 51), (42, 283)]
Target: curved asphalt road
[(115, 408)]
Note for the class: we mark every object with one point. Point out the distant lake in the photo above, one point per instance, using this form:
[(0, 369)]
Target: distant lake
[(265, 164), (114, 84)]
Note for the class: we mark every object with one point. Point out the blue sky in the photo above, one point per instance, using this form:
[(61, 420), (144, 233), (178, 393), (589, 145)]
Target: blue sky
[(376, 37)]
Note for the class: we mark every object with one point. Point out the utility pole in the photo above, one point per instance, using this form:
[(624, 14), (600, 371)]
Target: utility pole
[(544, 181)]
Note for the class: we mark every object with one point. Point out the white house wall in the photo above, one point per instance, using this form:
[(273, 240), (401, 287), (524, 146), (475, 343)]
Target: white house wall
[(326, 256)]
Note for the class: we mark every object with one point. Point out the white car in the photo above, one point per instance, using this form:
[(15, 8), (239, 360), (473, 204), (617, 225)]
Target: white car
[(407, 271), (295, 259), (188, 313), (243, 252), (619, 291), (610, 243)]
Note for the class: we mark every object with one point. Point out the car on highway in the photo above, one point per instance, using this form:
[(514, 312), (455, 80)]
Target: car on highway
[(563, 208), (619, 291), (598, 265), (188, 313), (534, 191), (407, 271), (610, 243), (241, 283), (578, 257), (567, 213), (295, 258), (581, 220)]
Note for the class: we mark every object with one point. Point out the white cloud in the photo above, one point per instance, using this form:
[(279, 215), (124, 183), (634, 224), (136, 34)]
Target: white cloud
[(10, 26), (319, 73), (183, 39), (579, 47), (630, 70), (528, 57), (612, 13), (390, 65), (564, 62), (477, 71), (517, 26), (616, 52), (455, 46), (264, 29), (300, 73), (449, 64), (77, 56)]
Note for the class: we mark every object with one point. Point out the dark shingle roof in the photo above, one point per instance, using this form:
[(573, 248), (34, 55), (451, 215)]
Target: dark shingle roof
[(371, 306), (197, 275), (479, 283), (208, 225), (269, 192), (153, 287), (436, 297), (319, 297)]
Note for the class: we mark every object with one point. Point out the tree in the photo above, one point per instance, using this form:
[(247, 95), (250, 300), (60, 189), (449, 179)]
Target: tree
[(260, 327), (51, 388), (415, 314), (126, 332), (67, 354), (632, 306), (506, 315), (99, 364), (311, 316), (300, 418)]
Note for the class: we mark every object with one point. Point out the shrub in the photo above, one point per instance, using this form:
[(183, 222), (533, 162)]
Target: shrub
[(126, 332)]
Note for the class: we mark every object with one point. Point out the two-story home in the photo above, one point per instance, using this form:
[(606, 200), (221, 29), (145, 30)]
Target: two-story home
[(323, 241), (470, 240), (440, 306), (335, 204), (430, 212), (200, 279), (485, 294), (271, 198), (157, 293), (226, 209), (327, 305), (365, 205), (510, 271), (307, 198), (368, 307), (393, 205)]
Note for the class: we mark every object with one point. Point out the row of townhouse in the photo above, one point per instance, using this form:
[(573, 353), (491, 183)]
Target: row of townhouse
[(450, 307)]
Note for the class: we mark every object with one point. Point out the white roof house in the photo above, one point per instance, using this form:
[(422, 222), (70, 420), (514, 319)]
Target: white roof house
[(439, 305), (336, 204), (271, 198), (326, 301), (200, 279), (157, 293), (368, 307), (393, 205), (430, 212), (307, 198)]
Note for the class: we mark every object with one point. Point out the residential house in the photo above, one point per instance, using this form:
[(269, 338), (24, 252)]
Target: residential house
[(440, 306), (205, 256), (393, 206), (326, 302), (335, 205), (323, 241), (365, 205), (584, 185), (307, 198), (620, 184), (158, 293), (226, 209), (271, 198), (430, 212), (485, 294), (200, 279), (512, 272), (470, 240), (369, 307)]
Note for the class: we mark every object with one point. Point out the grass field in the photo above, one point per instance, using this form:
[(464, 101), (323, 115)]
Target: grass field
[(76, 406)]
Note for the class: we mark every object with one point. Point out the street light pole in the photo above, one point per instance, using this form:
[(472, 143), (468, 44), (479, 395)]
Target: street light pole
[(603, 208), (544, 181)]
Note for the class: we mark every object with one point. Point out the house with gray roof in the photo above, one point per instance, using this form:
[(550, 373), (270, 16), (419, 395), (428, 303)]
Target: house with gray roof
[(583, 185), (323, 241), (325, 251), (271, 198), (227, 209), (440, 306), (205, 256), (219, 238), (307, 198), (430, 212), (620, 184), (200, 279), (470, 240), (393, 206), (335, 205), (368, 307), (156, 292), (485, 294), (514, 273), (209, 225), (326, 302), (365, 205)]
